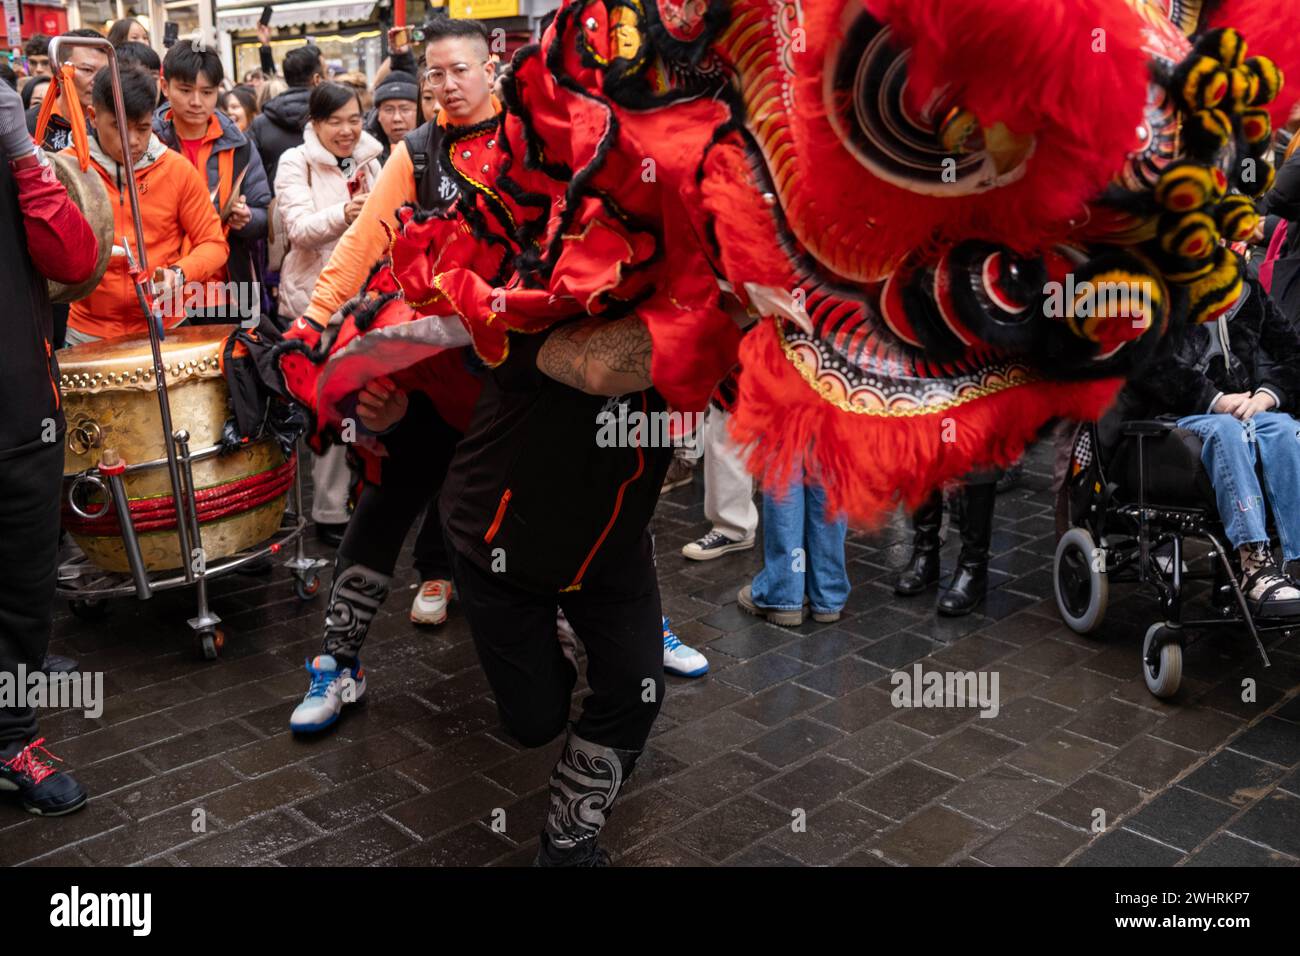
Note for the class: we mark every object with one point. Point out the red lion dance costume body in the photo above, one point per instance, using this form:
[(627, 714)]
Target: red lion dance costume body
[(892, 184), (917, 199)]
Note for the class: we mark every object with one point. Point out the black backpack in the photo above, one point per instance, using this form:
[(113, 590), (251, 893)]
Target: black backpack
[(434, 189)]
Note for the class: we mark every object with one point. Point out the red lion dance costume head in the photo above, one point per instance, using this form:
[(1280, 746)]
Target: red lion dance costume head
[(920, 199)]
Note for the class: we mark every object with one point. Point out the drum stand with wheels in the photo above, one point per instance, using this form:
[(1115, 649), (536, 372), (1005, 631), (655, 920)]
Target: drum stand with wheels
[(86, 586)]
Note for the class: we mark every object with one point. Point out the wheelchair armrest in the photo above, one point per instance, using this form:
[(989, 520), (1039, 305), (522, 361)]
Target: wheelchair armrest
[(1146, 428)]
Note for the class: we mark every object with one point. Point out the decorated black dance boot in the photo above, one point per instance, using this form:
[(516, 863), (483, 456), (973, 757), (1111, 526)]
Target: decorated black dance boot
[(355, 598), (584, 785), (337, 677), (922, 570), (971, 580)]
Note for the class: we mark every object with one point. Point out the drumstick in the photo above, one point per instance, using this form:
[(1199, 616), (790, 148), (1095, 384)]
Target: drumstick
[(233, 198)]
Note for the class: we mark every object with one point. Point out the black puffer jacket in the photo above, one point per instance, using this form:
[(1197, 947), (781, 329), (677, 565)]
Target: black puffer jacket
[(1282, 204), (278, 128), (1193, 368)]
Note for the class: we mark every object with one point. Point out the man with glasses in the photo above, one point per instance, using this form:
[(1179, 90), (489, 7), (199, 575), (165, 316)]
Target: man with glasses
[(86, 62), (367, 556)]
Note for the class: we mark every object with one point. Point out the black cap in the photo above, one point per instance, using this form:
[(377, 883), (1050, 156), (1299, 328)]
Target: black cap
[(398, 85)]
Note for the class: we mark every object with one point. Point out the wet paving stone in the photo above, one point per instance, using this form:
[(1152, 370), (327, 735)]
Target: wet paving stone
[(730, 828), (1233, 778), (365, 842), (1149, 763), (879, 746), (790, 752), (934, 836), (1229, 850), (999, 796), (1180, 818), (832, 832), (780, 703), (1093, 800), (813, 783), (900, 792), (1126, 848), (470, 845), (247, 844), (343, 806), (1273, 822), (968, 752), (792, 741), (1271, 739), (1060, 757), (710, 783), (1034, 840), (1026, 719)]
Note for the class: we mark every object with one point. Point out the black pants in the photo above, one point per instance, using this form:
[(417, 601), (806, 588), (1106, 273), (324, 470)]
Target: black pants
[(30, 485), (617, 616), (411, 478), (432, 562)]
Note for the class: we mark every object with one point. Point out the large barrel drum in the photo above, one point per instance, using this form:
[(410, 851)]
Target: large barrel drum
[(111, 403)]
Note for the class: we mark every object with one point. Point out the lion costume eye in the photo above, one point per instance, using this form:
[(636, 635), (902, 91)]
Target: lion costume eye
[(938, 150)]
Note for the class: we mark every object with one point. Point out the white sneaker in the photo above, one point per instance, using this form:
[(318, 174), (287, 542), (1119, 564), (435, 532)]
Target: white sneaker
[(680, 659), (430, 605), (331, 688), (714, 545)]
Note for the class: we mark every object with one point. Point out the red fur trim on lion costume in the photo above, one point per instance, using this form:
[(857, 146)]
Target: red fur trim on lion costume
[(869, 465)]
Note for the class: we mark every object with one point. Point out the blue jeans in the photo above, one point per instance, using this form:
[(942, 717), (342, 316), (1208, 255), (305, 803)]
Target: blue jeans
[(1230, 453), (801, 549)]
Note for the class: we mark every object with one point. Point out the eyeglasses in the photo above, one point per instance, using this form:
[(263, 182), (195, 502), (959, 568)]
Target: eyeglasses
[(437, 77), (393, 110)]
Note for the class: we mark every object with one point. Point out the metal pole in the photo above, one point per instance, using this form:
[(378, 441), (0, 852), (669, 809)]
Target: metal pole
[(134, 560), (155, 340), (190, 515), (300, 552)]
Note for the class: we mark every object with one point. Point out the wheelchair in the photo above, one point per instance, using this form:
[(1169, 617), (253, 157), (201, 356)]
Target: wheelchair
[(1124, 515)]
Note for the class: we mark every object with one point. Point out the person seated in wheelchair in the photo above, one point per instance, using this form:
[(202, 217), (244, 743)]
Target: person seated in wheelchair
[(1230, 382)]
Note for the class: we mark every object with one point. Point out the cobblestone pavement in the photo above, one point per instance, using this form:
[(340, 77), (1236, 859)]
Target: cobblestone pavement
[(790, 727)]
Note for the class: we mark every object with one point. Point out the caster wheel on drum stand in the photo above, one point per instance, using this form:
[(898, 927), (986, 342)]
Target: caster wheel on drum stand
[(88, 609), (306, 589), (211, 642)]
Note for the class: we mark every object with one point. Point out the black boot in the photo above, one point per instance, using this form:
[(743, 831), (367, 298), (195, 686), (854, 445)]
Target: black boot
[(584, 785), (922, 570), (971, 580)]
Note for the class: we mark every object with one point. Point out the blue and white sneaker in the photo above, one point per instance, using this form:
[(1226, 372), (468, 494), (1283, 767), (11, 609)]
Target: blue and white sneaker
[(680, 659), (331, 688)]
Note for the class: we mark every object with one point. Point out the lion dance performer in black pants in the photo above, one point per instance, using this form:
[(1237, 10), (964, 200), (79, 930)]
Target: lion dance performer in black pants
[(43, 235)]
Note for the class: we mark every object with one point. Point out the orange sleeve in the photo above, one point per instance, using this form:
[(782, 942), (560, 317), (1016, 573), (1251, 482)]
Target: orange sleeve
[(365, 242), (200, 224)]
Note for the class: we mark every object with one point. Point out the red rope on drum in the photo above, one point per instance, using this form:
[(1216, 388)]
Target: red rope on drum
[(215, 503)]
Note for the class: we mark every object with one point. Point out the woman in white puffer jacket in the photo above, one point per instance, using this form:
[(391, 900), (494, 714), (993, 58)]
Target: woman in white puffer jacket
[(320, 188)]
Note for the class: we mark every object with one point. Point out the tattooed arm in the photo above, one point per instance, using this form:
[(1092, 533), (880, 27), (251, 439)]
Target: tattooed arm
[(598, 356)]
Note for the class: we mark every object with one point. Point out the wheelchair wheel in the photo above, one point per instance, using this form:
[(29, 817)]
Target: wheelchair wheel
[(1080, 582), (1165, 675)]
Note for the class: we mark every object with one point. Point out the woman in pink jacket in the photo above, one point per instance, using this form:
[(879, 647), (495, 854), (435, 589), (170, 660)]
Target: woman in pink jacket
[(320, 188)]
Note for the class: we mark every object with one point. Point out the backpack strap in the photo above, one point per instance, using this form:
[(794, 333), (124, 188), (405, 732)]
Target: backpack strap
[(420, 145)]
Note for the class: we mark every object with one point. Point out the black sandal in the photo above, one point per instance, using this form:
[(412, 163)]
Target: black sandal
[(1265, 605)]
